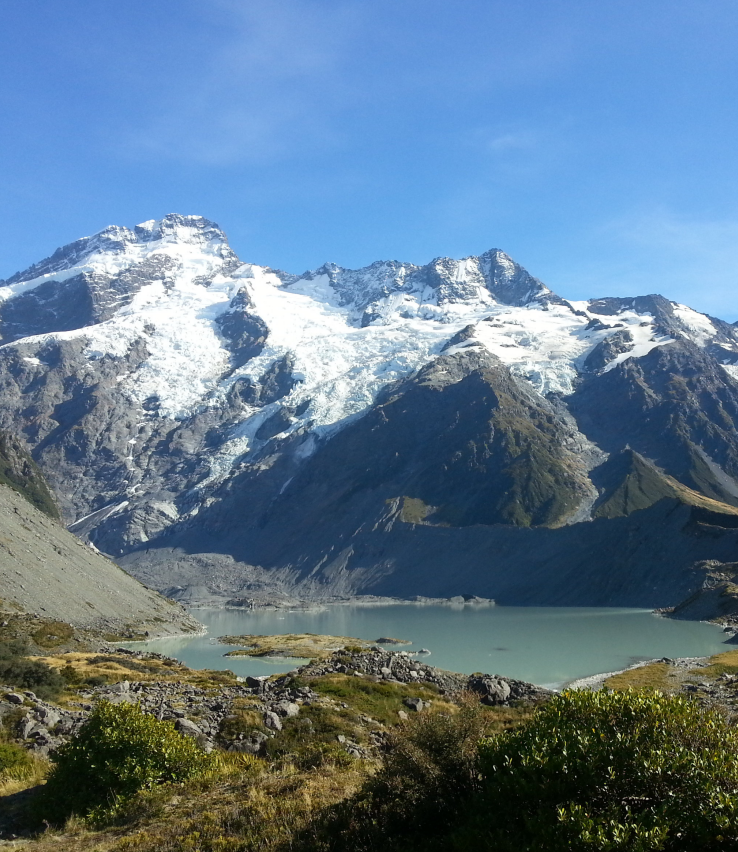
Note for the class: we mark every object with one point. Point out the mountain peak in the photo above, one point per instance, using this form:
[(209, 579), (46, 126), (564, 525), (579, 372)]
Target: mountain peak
[(116, 239)]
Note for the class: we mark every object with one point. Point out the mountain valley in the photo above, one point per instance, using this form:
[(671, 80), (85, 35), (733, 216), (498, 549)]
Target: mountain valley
[(226, 431)]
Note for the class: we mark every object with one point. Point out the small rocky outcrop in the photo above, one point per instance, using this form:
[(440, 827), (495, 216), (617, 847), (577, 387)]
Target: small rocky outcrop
[(400, 667)]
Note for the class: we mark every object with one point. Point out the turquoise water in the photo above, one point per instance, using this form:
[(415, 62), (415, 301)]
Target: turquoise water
[(545, 645)]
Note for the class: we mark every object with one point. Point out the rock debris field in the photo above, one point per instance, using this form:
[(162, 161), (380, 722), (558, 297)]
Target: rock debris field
[(204, 713)]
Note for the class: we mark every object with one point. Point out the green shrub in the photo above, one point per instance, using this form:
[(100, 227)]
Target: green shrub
[(429, 774), (609, 771), (14, 761), (119, 751), (25, 673)]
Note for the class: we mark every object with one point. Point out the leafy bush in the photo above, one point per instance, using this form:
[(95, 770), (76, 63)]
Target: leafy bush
[(428, 775), (24, 673), (610, 771), (119, 751), (14, 761)]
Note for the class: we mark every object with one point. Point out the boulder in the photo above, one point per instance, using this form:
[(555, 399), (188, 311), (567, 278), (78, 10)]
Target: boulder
[(492, 691), (271, 720), (255, 744), (188, 728)]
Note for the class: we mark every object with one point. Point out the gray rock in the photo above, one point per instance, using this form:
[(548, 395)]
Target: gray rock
[(416, 704), (48, 716), (286, 708), (271, 720), (26, 726), (255, 744), (188, 728), (492, 690), (14, 698)]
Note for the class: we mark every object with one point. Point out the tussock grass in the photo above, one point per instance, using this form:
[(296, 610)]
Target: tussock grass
[(239, 806), (380, 701), (655, 676), (116, 667), (720, 664)]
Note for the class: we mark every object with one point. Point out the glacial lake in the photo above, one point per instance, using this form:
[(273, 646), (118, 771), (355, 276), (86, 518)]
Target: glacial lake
[(549, 646)]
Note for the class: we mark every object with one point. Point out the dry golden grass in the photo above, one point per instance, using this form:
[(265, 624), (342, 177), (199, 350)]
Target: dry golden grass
[(240, 806), (725, 663), (116, 667), (653, 676), (15, 780), (91, 665), (311, 646)]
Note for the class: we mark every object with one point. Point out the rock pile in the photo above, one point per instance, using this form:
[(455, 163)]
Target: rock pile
[(42, 726), (400, 667)]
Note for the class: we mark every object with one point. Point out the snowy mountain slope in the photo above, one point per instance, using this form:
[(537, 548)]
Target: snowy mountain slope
[(152, 372)]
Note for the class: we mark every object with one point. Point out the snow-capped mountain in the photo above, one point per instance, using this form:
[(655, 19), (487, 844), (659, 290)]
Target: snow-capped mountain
[(170, 391)]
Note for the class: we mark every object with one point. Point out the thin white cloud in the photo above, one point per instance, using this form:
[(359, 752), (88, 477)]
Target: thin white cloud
[(268, 87), (689, 260), (283, 75)]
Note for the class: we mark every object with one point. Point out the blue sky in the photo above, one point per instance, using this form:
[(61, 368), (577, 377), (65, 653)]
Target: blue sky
[(594, 141)]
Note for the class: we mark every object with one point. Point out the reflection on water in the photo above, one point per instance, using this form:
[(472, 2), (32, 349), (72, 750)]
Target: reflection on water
[(545, 645)]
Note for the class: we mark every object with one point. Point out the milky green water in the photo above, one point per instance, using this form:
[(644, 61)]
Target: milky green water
[(545, 645)]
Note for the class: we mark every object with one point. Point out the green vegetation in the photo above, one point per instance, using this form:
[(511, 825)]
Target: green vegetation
[(586, 772), (14, 761), (19, 472), (602, 771), (632, 483), (51, 634), (381, 701), (428, 775), (595, 771), (119, 751), (21, 672), (414, 511)]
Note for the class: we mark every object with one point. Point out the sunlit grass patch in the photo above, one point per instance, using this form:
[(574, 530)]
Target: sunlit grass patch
[(654, 676)]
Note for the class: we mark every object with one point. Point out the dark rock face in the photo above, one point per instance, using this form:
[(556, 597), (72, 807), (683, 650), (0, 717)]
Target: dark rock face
[(617, 343), (463, 442), (676, 406), (20, 472), (245, 332)]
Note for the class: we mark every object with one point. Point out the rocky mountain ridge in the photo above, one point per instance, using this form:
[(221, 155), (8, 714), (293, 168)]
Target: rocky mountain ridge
[(220, 424)]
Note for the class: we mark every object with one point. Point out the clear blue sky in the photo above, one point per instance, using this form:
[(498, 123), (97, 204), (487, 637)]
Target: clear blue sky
[(596, 141)]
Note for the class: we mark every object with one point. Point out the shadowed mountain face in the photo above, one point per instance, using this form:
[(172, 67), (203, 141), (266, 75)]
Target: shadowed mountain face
[(439, 429), (674, 405), (462, 443), (19, 472)]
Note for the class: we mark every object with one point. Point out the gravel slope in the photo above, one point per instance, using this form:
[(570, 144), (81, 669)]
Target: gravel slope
[(46, 570)]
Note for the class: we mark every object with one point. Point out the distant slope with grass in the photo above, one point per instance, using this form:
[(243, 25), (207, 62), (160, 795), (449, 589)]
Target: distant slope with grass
[(21, 473)]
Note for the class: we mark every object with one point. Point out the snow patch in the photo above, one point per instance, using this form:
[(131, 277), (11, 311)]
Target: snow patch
[(699, 328)]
